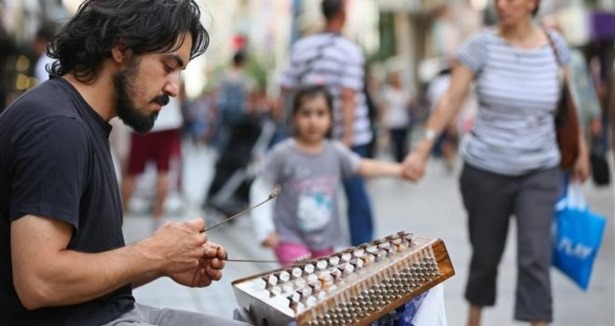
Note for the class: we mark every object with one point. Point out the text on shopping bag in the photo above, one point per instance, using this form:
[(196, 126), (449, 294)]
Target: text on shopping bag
[(573, 249)]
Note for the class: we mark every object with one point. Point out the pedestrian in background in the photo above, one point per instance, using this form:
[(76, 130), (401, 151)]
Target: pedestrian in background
[(463, 124), (63, 258), (303, 222), (234, 98), (584, 90), (372, 93), (511, 156), (396, 105), (445, 145), (199, 118), (329, 59), (162, 147)]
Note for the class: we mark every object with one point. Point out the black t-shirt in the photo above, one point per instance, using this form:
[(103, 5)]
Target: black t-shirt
[(55, 161)]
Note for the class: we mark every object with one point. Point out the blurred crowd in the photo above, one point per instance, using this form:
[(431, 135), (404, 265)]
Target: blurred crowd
[(236, 94), (397, 105)]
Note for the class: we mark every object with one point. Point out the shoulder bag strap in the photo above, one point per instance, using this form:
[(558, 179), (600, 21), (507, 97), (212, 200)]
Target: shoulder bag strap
[(319, 49), (554, 48), (560, 114)]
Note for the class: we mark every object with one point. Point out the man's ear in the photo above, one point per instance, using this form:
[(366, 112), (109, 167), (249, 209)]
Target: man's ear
[(120, 53)]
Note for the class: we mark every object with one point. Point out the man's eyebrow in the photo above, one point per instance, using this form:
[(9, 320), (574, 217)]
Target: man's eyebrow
[(177, 60)]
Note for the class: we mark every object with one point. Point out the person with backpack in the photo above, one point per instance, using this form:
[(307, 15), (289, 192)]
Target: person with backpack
[(234, 96)]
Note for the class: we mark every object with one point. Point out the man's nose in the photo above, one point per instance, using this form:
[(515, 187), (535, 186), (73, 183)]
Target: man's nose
[(172, 86)]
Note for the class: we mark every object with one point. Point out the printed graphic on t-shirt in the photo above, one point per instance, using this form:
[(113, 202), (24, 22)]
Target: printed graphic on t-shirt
[(314, 210)]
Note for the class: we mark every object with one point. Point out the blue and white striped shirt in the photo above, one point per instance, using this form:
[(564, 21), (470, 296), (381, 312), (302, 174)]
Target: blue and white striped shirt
[(517, 90)]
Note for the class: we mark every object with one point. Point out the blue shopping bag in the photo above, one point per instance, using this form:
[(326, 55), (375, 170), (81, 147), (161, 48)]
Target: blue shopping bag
[(577, 236)]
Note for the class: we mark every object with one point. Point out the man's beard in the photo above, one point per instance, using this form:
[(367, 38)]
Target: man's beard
[(134, 117)]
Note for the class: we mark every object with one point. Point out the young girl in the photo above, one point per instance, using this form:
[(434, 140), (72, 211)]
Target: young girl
[(303, 222)]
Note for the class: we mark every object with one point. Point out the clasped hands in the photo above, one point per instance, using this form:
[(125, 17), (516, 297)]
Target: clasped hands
[(413, 166)]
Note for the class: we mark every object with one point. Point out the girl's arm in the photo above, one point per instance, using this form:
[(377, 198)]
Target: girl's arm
[(262, 217), (372, 168)]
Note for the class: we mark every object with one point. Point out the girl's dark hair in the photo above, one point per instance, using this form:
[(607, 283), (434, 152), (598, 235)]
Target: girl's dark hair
[(143, 26), (309, 92)]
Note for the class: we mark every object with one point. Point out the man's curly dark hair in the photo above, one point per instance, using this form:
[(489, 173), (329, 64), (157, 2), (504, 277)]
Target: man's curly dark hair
[(143, 26)]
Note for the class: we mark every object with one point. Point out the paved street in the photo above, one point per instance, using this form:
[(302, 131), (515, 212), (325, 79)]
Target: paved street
[(432, 208)]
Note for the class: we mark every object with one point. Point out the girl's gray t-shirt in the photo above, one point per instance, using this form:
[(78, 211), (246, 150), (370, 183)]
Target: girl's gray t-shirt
[(306, 211)]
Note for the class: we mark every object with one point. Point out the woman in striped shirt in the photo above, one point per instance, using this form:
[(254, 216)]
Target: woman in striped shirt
[(511, 158)]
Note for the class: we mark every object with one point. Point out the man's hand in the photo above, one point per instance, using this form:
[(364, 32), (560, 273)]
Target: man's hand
[(177, 246), (209, 268)]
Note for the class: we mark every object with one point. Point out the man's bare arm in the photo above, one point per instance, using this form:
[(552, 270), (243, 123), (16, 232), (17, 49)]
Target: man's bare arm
[(47, 274)]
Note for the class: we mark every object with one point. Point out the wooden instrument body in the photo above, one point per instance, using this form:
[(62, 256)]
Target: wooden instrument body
[(352, 287)]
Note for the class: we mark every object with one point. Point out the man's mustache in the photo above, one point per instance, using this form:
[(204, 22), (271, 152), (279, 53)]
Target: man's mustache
[(162, 100)]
